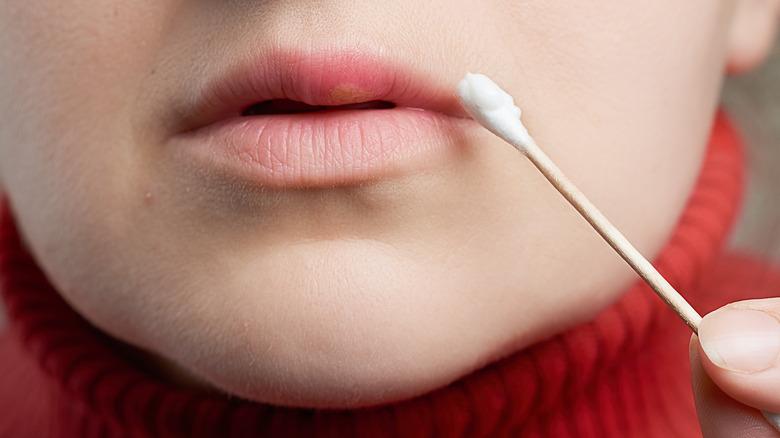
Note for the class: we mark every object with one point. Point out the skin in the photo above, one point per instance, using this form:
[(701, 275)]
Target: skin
[(366, 294)]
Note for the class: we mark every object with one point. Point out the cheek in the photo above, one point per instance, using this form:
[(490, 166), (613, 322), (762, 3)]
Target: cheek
[(621, 95), (69, 72), (610, 61)]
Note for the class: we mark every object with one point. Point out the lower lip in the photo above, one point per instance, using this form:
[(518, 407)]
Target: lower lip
[(329, 148)]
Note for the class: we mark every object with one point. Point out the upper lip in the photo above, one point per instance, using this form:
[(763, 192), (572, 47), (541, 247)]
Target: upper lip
[(320, 77)]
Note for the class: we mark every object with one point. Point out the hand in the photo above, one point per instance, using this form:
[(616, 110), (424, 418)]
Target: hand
[(735, 370)]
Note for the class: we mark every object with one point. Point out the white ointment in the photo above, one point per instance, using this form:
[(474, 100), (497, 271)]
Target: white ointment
[(494, 109)]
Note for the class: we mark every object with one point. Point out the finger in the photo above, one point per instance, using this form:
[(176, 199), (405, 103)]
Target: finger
[(720, 416), (739, 346)]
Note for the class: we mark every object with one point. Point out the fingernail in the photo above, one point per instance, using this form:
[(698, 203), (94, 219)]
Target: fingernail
[(741, 340)]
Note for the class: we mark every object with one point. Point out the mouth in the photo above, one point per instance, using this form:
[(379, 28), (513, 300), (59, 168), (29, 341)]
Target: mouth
[(286, 106), (330, 117)]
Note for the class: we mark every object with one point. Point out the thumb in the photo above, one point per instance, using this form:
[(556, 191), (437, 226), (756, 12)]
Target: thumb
[(720, 416), (739, 346)]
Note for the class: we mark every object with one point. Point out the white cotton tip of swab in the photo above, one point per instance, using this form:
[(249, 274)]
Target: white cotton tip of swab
[(493, 108), (484, 92)]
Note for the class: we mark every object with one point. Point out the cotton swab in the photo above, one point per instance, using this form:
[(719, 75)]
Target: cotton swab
[(494, 109)]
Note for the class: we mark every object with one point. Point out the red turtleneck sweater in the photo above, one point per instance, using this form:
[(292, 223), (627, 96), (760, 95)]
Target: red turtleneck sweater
[(624, 374)]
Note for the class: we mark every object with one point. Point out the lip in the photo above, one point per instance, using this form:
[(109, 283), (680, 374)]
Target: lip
[(322, 148)]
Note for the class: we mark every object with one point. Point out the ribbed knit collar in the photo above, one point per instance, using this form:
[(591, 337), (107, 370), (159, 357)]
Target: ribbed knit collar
[(622, 374)]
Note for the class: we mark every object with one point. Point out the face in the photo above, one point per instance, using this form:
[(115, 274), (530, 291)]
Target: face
[(285, 199)]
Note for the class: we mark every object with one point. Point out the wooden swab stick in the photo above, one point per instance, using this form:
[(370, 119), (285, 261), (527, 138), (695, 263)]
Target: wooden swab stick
[(494, 109), (614, 237)]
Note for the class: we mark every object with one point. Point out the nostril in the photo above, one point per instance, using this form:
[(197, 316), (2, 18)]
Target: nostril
[(286, 106)]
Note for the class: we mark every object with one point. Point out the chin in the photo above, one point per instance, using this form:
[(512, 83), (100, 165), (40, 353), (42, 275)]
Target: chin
[(328, 325)]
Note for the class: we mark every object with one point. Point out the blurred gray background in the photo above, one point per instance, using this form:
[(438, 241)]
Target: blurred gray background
[(754, 101)]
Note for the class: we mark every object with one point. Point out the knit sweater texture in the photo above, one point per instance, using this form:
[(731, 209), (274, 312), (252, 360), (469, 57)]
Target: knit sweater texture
[(623, 374)]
